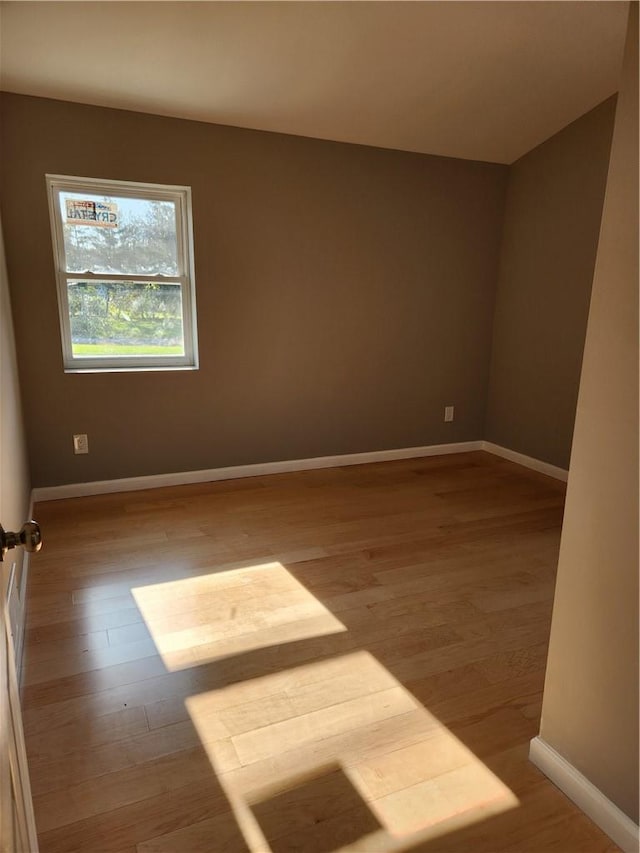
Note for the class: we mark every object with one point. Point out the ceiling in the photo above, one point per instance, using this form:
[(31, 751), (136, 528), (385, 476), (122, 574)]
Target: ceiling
[(477, 80)]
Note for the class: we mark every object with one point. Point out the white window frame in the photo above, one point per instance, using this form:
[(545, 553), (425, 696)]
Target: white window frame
[(181, 197)]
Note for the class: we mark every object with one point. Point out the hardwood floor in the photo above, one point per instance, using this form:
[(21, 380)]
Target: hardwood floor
[(342, 659)]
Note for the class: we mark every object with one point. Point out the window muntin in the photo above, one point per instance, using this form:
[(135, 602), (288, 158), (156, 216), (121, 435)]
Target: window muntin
[(123, 256)]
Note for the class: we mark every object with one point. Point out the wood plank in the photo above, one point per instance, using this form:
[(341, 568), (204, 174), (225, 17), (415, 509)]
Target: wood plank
[(97, 658), (88, 732), (90, 759), (336, 719), (110, 832), (219, 832), (106, 793)]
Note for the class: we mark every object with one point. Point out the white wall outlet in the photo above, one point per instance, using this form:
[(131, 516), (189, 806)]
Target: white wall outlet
[(80, 444), (448, 414)]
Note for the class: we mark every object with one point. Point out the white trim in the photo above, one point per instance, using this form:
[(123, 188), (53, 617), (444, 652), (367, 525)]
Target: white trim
[(585, 795), (24, 579), (527, 461), (26, 561), (154, 481), (19, 767), (207, 475)]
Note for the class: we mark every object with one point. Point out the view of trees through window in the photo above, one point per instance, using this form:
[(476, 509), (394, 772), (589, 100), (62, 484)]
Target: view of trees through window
[(114, 316), (125, 318)]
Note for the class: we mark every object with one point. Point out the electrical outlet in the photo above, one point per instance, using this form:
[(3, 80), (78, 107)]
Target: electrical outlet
[(80, 444), (448, 414)]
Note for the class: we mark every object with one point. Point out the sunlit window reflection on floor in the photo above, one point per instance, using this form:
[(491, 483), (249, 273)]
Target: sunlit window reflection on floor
[(202, 619), (295, 731), (335, 753)]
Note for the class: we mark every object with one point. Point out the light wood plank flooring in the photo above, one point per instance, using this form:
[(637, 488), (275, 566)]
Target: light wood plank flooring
[(346, 659)]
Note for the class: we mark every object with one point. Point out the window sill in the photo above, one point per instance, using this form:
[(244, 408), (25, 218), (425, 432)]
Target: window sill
[(145, 369)]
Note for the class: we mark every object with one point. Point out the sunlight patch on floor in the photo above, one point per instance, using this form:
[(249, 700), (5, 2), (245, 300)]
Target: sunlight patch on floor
[(198, 620), (297, 730)]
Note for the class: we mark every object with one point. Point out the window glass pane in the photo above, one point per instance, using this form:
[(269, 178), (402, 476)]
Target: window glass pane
[(114, 234), (125, 319)]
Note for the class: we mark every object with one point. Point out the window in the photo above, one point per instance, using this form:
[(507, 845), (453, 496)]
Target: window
[(124, 265)]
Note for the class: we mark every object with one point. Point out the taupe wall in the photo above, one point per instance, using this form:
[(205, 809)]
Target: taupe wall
[(590, 709), (345, 295), (552, 220)]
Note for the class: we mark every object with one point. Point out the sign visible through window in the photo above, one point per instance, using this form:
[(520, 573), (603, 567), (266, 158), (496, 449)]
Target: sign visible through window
[(83, 212)]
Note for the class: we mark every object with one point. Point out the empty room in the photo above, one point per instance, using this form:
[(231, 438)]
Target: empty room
[(319, 427)]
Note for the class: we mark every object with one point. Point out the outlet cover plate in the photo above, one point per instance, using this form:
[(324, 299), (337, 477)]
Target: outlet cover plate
[(80, 443)]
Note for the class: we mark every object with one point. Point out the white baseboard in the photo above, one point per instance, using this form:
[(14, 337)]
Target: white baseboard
[(527, 461), (155, 481), (585, 795), (209, 475)]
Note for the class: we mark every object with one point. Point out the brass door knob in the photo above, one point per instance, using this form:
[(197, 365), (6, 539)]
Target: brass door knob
[(29, 537)]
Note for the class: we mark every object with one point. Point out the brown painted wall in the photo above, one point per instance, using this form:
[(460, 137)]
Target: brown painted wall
[(345, 295), (590, 708), (552, 221)]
